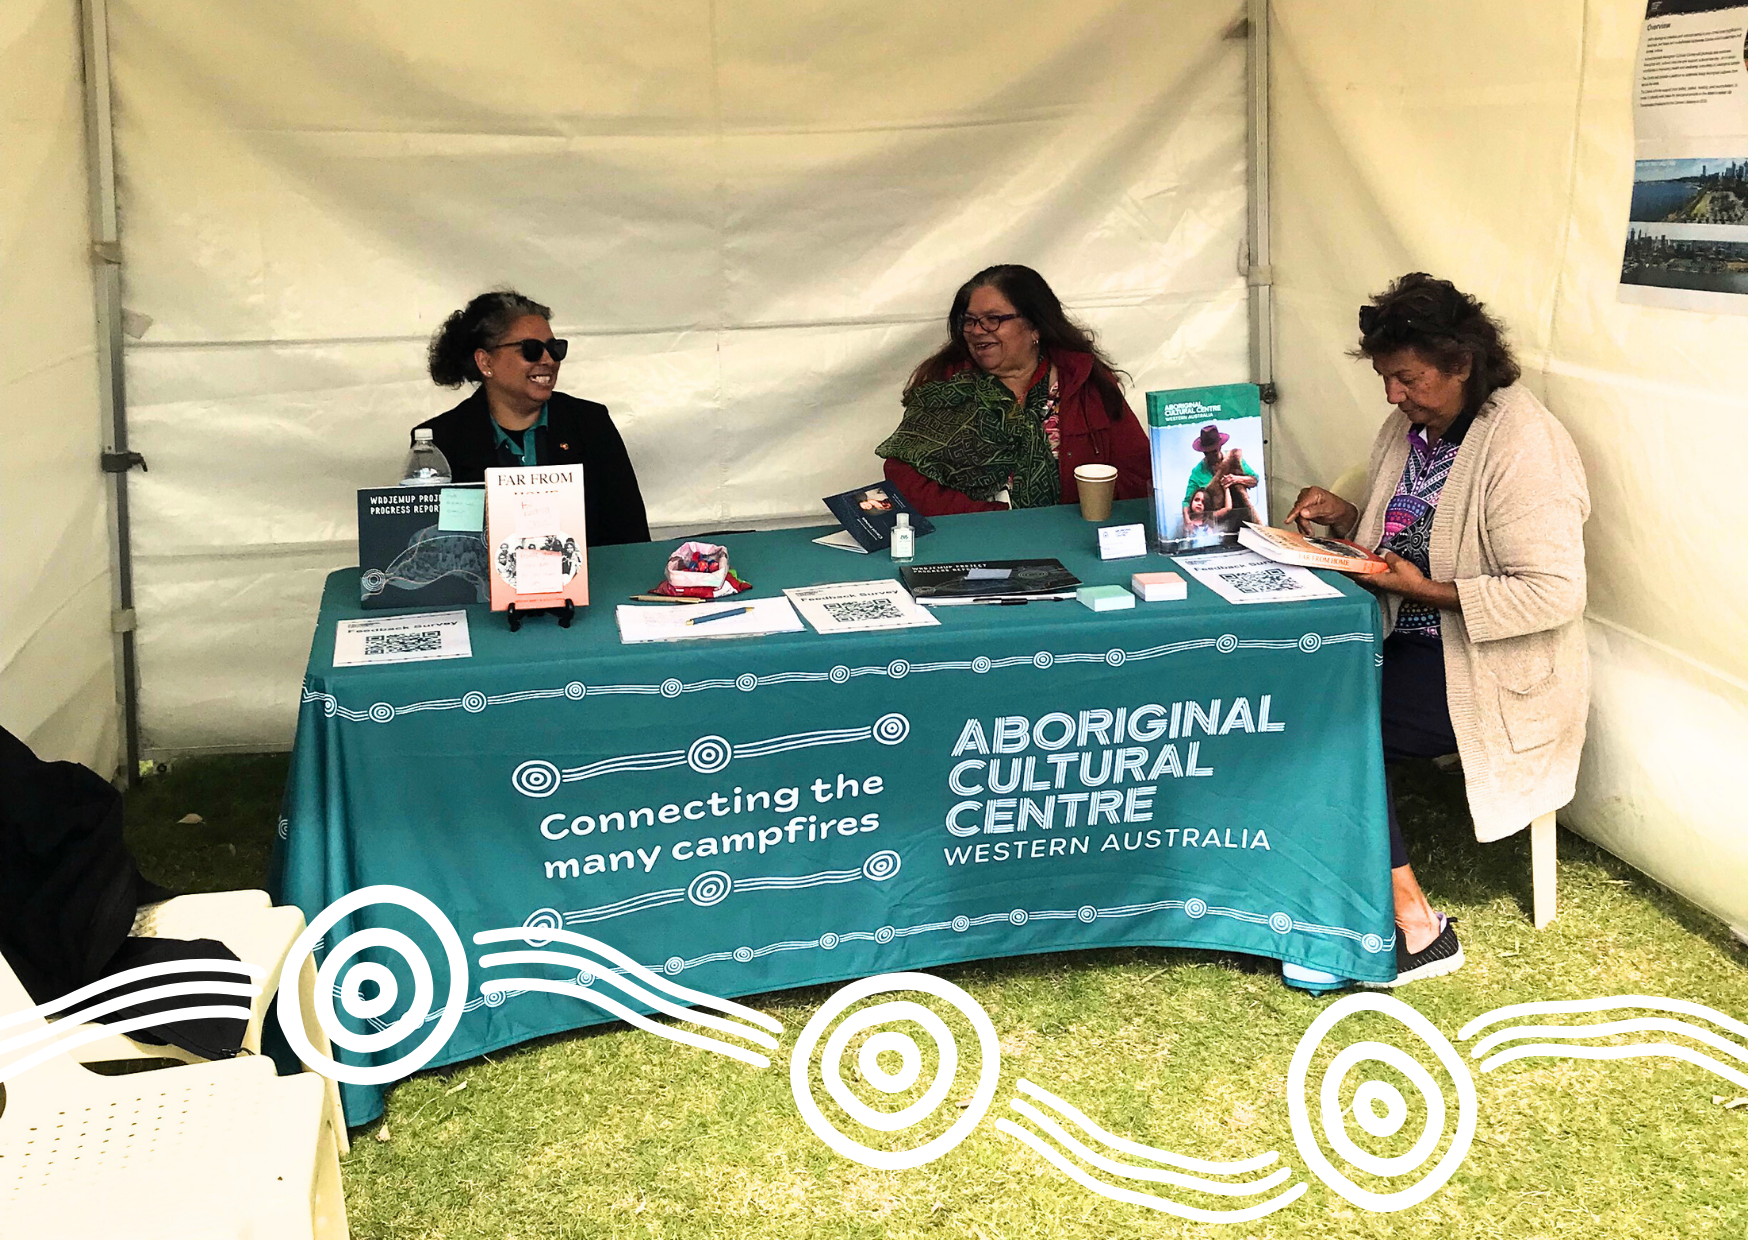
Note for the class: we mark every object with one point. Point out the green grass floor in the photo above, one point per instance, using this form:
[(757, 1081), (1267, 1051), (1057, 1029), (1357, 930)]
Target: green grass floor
[(616, 1133)]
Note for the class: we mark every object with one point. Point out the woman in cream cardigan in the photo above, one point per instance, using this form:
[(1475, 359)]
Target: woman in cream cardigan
[(1477, 498)]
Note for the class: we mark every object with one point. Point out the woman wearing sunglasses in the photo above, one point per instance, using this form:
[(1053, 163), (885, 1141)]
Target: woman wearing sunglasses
[(516, 416), (1003, 412)]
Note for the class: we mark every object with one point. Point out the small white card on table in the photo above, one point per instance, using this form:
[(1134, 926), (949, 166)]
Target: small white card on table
[(402, 639), (1122, 542)]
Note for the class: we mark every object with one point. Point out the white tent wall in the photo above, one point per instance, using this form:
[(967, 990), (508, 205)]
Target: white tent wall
[(57, 678), (1492, 143), (749, 219)]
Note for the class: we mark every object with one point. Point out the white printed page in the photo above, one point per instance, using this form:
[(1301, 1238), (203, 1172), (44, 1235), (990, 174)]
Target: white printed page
[(402, 639), (859, 607), (1245, 577)]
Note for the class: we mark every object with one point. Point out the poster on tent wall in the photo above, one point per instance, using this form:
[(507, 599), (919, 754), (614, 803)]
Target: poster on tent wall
[(1687, 225)]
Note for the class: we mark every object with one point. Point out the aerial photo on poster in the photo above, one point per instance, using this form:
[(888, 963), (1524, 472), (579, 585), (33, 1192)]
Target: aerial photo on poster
[(1688, 225)]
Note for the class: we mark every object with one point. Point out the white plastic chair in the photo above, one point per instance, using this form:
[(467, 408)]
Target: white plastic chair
[(207, 1150), (259, 934), (1351, 486)]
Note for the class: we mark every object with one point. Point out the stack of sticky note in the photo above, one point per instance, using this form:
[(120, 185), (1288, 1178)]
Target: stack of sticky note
[(1158, 587), (1105, 598)]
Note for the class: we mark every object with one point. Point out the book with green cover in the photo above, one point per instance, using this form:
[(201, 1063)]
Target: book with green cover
[(1208, 475)]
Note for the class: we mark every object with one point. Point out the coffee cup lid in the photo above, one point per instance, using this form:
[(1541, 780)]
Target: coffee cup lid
[(1095, 473)]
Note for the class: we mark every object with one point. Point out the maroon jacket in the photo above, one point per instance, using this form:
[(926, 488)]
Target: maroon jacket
[(1088, 437)]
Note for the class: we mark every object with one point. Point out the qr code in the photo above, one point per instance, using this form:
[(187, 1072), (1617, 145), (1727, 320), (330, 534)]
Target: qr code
[(864, 609), (402, 643), (1258, 581)]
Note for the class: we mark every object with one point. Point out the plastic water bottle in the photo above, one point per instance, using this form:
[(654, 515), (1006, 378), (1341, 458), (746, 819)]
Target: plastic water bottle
[(426, 466), (903, 539)]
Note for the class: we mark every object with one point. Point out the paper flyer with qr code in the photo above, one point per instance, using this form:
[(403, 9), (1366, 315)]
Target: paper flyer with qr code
[(1245, 577), (859, 607), (402, 639)]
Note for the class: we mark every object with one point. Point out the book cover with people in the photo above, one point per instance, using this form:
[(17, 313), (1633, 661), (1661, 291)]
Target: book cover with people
[(869, 513), (537, 536), (1208, 474)]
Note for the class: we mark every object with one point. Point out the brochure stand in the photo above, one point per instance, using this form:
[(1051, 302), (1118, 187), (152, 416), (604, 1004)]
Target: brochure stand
[(516, 615)]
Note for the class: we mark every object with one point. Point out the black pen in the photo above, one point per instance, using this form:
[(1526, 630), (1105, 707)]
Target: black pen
[(1001, 602)]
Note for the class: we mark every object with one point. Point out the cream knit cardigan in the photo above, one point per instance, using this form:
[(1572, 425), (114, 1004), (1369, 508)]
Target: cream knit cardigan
[(1509, 530)]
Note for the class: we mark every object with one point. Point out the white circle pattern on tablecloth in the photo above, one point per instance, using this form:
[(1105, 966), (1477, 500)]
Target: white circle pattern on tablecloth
[(709, 754), (882, 865), (891, 729), (536, 778), (710, 888)]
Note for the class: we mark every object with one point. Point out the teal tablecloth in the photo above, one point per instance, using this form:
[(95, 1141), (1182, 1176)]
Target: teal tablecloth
[(773, 812)]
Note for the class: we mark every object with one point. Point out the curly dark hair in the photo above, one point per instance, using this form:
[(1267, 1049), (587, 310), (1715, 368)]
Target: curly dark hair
[(1038, 304), (1444, 325), (478, 325)]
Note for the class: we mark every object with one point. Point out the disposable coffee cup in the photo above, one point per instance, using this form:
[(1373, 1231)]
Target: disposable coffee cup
[(1097, 485)]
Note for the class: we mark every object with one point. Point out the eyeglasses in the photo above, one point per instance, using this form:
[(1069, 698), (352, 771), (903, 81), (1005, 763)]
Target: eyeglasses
[(532, 348), (990, 323)]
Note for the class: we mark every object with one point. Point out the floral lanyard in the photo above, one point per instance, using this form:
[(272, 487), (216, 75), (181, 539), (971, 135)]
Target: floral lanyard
[(1052, 429), (1050, 420)]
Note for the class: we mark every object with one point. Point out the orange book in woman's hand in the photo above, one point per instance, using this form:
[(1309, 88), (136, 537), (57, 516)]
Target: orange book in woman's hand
[(1292, 547)]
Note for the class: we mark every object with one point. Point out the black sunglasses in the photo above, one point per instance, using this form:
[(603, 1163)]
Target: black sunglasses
[(532, 348)]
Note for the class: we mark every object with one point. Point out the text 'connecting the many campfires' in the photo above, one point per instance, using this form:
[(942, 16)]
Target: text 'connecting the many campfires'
[(837, 801), (1015, 774)]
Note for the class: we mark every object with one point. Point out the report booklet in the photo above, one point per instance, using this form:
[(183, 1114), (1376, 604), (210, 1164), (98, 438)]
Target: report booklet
[(989, 581), (413, 551)]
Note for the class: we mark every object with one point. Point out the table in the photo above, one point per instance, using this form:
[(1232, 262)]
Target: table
[(756, 814)]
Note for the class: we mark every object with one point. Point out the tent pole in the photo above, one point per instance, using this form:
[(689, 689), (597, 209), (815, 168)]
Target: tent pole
[(115, 460), (1259, 273)]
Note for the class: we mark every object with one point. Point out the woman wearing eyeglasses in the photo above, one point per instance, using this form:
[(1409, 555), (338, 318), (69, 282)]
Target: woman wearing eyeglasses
[(1477, 498), (516, 416), (1000, 415)]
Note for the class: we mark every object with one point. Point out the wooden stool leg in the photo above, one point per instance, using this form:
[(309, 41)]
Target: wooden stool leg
[(1542, 868)]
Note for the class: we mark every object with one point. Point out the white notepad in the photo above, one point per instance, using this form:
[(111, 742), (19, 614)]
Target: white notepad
[(666, 623)]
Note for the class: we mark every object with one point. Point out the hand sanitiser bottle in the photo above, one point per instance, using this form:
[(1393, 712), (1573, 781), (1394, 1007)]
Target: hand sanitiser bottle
[(903, 539), (426, 465)]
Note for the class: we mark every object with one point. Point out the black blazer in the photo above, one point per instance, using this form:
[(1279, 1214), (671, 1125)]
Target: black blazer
[(578, 432)]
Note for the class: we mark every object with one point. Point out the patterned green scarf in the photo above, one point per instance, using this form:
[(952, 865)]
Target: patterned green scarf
[(970, 434)]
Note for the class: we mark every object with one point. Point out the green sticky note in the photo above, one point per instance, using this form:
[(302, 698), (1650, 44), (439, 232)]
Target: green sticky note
[(462, 509), (1105, 598)]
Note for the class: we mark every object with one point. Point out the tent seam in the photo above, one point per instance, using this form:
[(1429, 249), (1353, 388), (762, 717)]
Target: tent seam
[(1571, 189), (1666, 649)]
